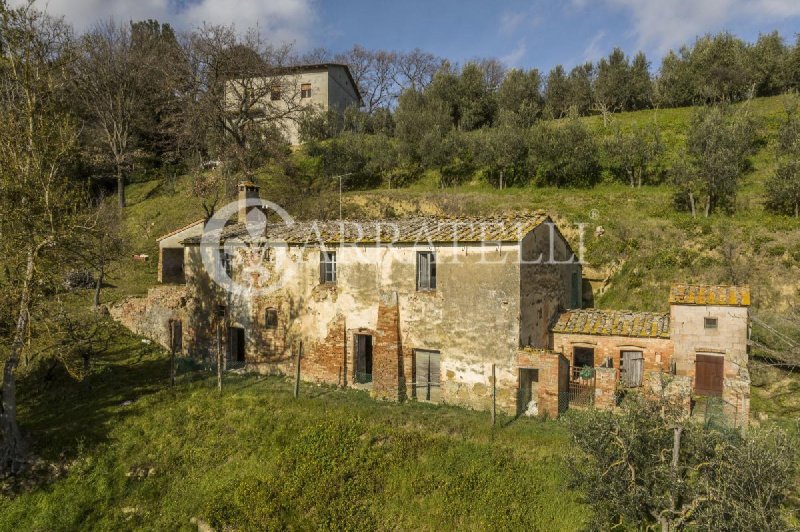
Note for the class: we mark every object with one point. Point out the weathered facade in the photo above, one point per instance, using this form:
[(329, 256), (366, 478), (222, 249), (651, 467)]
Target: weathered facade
[(291, 90), (431, 308)]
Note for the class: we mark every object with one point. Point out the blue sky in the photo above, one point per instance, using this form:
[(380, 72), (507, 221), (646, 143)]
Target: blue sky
[(524, 33)]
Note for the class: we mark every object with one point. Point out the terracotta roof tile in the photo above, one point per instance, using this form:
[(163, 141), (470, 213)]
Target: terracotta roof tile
[(613, 323), (685, 294), (422, 229)]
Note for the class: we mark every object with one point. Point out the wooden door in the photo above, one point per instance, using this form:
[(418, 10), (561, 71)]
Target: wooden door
[(709, 371), (632, 368)]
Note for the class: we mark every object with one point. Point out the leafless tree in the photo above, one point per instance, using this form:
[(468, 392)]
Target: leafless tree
[(415, 70), (241, 95), (107, 79)]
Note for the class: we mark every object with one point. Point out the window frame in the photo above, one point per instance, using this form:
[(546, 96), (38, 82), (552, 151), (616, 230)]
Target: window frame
[(326, 275), (428, 283), (710, 323), (305, 90), (271, 318), (274, 94)]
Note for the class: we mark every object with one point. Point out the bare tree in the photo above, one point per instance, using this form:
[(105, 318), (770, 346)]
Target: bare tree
[(107, 79), (415, 70), (374, 73), (242, 95)]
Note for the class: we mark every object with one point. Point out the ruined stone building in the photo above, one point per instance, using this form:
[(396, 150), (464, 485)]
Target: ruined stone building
[(427, 308)]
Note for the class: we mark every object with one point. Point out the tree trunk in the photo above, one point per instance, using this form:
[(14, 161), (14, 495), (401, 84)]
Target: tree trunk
[(691, 204), (120, 186), (97, 286), (676, 447), (708, 206), (13, 448)]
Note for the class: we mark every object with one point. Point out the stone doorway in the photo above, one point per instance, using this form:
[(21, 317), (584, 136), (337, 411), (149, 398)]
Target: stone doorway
[(236, 344), (364, 343)]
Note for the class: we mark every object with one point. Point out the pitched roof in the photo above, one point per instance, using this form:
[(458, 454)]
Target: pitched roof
[(613, 323), (420, 229), (732, 296), (178, 230)]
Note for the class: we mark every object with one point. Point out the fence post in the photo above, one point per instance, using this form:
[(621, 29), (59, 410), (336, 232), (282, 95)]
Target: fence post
[(219, 358), (494, 396), (172, 353), (297, 371)]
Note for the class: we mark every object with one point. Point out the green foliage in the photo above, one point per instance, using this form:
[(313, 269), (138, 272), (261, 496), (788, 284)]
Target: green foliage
[(719, 480), (717, 149), (634, 156), (783, 187), (564, 156)]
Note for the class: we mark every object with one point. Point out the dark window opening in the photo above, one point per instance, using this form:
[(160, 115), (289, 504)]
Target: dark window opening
[(236, 345), (426, 375), (528, 379), (575, 293), (176, 335), (710, 323), (305, 90), (172, 265), (363, 358), (327, 267), (582, 357), (271, 318), (275, 94), (426, 270), (221, 310)]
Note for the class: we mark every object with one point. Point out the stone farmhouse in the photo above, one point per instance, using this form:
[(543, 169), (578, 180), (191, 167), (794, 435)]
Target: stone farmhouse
[(463, 311), (292, 90)]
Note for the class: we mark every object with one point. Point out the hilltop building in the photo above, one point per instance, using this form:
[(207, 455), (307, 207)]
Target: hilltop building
[(292, 90)]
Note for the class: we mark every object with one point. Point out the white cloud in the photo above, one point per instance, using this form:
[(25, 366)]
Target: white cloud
[(663, 24), (514, 57), (593, 51), (278, 20), (510, 22)]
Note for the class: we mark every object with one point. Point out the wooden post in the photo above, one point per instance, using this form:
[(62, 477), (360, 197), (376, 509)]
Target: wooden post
[(494, 396), (172, 353), (219, 357), (297, 371)]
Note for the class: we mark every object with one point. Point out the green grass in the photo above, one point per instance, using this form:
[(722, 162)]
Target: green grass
[(254, 458)]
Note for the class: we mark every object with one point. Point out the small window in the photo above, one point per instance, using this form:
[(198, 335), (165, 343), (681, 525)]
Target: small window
[(305, 90), (575, 292), (275, 94), (327, 267), (426, 271), (710, 323), (226, 258), (221, 309), (271, 318)]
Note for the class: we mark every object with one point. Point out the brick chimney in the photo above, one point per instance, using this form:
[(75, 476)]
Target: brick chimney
[(247, 190)]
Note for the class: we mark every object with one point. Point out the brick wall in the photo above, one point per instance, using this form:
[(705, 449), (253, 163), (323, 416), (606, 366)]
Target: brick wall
[(657, 352), (605, 383), (551, 377), (326, 360), (387, 353)]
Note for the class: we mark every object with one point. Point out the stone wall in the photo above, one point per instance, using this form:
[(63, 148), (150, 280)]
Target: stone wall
[(150, 316), (552, 383)]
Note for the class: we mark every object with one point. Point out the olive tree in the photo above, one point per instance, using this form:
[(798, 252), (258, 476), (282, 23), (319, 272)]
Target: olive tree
[(650, 467)]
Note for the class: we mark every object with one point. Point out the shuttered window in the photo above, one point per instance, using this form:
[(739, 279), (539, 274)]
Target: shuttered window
[(426, 375), (426, 270)]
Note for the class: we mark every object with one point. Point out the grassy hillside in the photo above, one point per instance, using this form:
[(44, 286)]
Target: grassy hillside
[(645, 244), (134, 454)]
